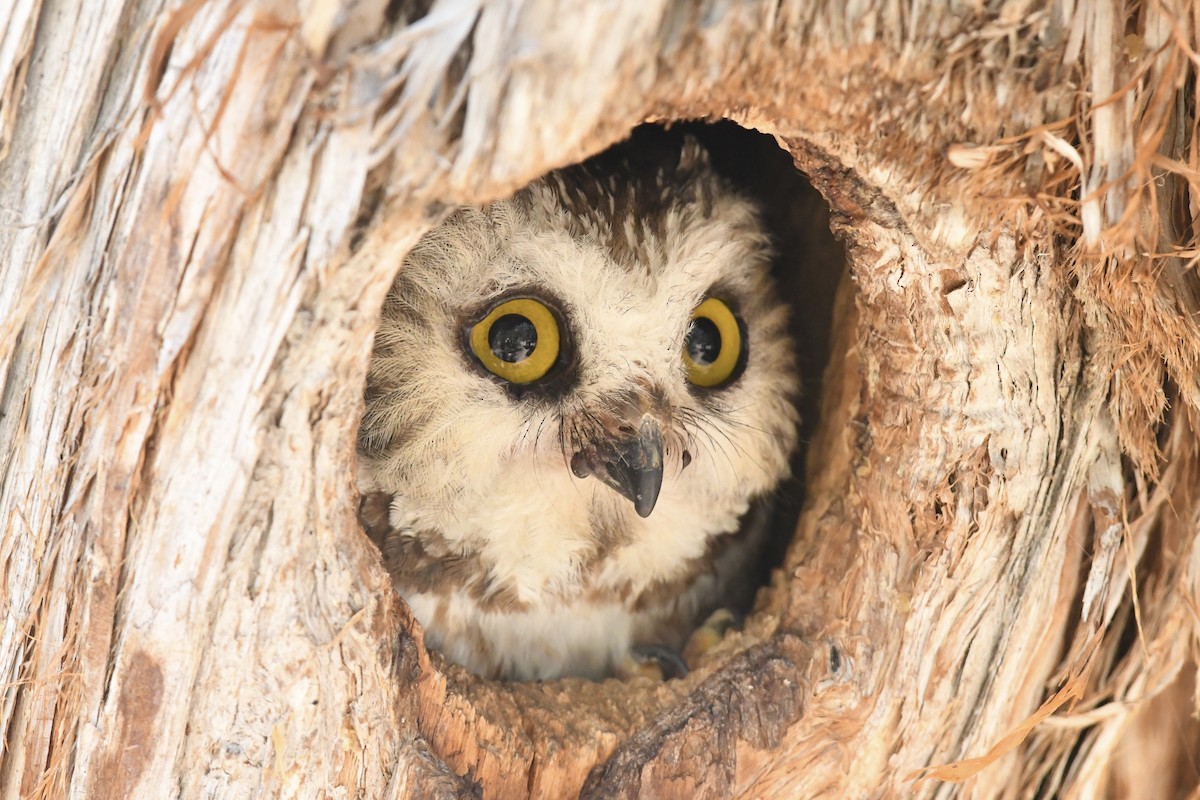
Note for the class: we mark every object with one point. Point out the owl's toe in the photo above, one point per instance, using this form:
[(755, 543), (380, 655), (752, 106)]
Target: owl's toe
[(709, 635), (654, 661)]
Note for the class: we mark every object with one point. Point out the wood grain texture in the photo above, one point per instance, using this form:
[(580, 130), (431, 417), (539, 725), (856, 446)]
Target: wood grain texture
[(203, 203)]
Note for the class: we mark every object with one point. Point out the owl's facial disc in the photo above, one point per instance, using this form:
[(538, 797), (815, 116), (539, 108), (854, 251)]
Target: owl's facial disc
[(631, 464)]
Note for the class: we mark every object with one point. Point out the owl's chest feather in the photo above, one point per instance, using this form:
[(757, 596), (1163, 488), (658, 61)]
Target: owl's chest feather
[(546, 574)]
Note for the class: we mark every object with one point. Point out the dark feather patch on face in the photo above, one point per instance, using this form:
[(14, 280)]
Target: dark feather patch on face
[(424, 562), (622, 197)]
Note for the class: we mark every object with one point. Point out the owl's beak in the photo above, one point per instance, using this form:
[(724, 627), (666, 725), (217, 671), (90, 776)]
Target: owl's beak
[(633, 466)]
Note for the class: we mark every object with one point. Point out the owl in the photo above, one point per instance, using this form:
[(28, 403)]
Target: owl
[(577, 400)]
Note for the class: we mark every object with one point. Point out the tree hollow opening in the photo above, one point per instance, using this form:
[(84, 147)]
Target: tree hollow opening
[(807, 266)]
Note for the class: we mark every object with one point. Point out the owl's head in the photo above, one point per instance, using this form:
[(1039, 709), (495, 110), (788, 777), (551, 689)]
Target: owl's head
[(609, 335)]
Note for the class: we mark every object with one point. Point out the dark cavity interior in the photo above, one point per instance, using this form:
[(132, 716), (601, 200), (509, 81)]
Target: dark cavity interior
[(808, 269)]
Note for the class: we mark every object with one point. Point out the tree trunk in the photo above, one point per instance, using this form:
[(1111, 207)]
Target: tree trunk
[(995, 582)]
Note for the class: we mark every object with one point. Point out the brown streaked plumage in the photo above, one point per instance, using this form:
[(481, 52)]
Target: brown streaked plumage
[(543, 526)]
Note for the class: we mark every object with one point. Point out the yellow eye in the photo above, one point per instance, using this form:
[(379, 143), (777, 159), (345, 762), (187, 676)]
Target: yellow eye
[(713, 350), (518, 340)]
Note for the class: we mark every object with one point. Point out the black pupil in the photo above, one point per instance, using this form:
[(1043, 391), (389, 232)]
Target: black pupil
[(512, 338), (703, 341)]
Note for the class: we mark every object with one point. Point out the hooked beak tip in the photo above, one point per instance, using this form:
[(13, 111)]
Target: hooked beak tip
[(649, 472), (643, 507), (632, 466)]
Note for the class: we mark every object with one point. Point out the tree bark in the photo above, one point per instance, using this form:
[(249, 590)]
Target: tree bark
[(994, 585)]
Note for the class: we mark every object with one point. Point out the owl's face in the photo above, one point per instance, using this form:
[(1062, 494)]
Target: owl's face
[(601, 348)]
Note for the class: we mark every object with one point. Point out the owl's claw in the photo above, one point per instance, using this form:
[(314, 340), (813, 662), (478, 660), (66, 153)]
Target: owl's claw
[(661, 663), (654, 661)]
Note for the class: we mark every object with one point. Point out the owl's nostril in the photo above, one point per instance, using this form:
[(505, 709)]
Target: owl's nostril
[(580, 466), (686, 458)]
